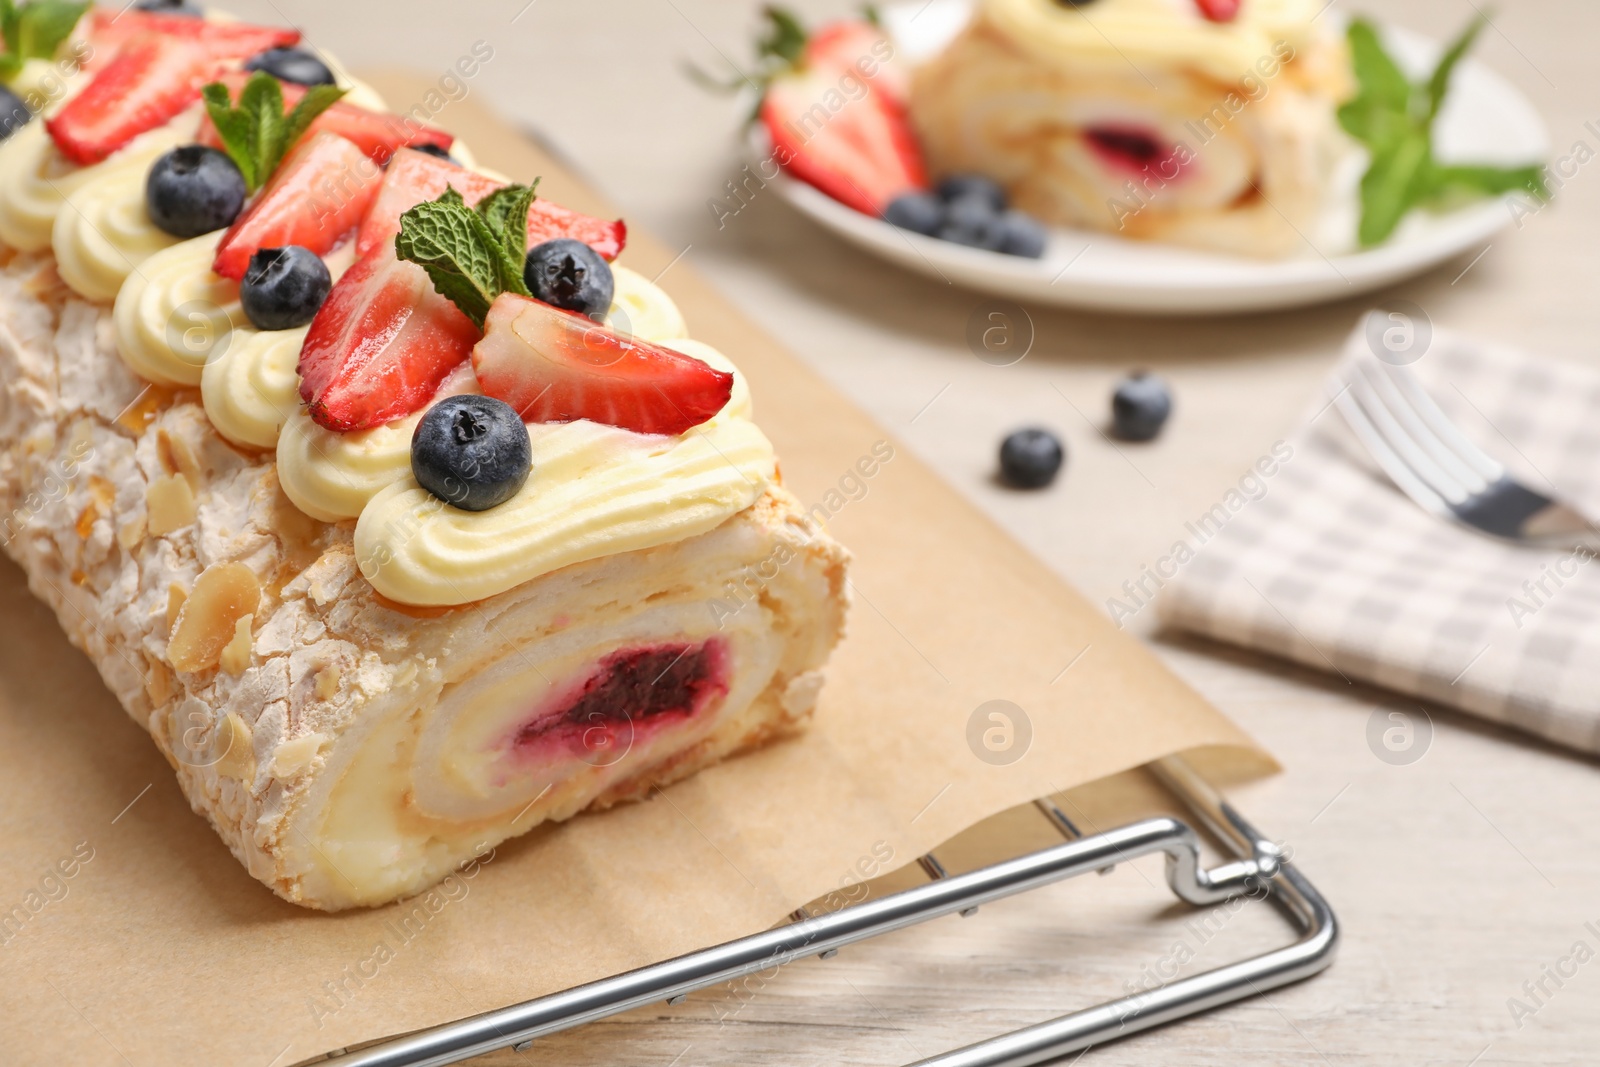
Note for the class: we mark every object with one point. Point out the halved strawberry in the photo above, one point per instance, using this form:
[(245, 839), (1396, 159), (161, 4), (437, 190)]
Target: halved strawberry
[(149, 82), (862, 152), (109, 29), (554, 366), (854, 44), (416, 177), (1219, 10), (548, 220), (381, 345), (315, 198), (377, 133)]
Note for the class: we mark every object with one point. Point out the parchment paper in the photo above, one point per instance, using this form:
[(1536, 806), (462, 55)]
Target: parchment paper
[(129, 935)]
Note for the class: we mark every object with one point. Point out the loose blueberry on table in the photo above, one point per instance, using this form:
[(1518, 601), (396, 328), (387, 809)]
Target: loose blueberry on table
[(969, 209), (292, 65), (570, 275), (471, 451), (194, 190), (283, 288), (1030, 458), (1140, 407)]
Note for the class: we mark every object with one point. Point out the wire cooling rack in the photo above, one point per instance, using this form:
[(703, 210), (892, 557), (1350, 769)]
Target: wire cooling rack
[(1258, 868)]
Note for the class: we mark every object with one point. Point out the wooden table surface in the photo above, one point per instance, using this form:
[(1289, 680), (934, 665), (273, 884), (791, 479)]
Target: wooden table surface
[(1458, 878)]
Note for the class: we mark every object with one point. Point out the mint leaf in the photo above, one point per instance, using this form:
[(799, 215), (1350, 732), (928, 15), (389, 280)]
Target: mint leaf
[(469, 255), (1395, 181), (1439, 83), (261, 105), (1489, 180), (256, 134), (234, 130), (506, 212), (35, 31), (318, 99), (1381, 81), (43, 25), (1394, 119), (455, 246), (11, 30)]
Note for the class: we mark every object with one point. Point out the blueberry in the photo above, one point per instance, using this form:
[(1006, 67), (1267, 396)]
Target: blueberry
[(14, 114), (193, 190), (284, 287), (292, 65), (1030, 458), (1022, 235), (569, 274), (471, 451), (962, 186), (170, 7), (1140, 406), (973, 221), (918, 212), (433, 150)]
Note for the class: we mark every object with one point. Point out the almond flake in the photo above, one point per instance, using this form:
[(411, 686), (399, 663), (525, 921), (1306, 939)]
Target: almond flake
[(294, 757), (170, 503), (209, 619), (235, 658), (328, 682), (236, 744)]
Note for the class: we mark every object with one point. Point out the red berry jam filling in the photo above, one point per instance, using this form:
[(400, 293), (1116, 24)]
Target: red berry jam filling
[(1134, 150), (633, 693)]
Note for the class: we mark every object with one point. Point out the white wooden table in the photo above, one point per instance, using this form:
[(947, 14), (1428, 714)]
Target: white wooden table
[(1458, 878)]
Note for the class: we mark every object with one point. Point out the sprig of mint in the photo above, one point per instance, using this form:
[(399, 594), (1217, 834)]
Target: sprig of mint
[(35, 30), (471, 255), (1393, 117), (257, 134)]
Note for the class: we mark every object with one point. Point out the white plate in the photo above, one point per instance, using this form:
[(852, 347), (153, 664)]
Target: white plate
[(1484, 120)]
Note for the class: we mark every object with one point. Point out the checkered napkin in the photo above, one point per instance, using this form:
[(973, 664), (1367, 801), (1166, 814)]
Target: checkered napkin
[(1331, 566)]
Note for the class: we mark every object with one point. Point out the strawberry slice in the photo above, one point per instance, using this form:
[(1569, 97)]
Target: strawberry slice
[(315, 198), (1219, 10), (548, 220), (377, 133), (109, 29), (416, 177), (381, 344), (149, 82), (852, 44), (863, 154), (554, 366)]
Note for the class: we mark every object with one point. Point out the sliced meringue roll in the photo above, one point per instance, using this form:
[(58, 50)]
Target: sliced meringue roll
[(1144, 118)]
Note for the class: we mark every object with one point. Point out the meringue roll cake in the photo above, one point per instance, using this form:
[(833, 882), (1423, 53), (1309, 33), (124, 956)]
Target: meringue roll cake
[(1208, 123), (400, 516)]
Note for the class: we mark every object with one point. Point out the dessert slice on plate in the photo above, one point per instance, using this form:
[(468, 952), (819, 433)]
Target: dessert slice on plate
[(402, 517), (1208, 123)]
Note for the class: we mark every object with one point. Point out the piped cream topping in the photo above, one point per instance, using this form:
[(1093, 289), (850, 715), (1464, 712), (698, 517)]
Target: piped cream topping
[(594, 491), (103, 232), (172, 315), (251, 389), (35, 179)]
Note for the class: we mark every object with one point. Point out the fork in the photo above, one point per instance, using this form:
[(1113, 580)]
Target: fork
[(1428, 457)]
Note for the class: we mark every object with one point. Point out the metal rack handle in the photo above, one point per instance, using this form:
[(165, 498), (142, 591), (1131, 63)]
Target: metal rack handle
[(1260, 867)]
